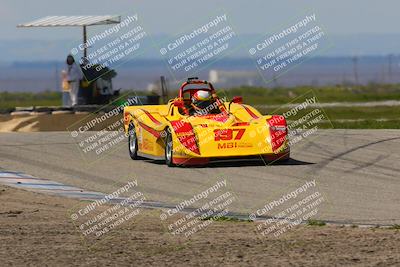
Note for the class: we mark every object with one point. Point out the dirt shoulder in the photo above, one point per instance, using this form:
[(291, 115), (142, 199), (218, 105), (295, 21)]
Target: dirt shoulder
[(35, 230), (51, 122)]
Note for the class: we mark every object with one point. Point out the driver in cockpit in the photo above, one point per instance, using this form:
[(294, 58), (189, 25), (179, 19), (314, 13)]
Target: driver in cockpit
[(203, 103)]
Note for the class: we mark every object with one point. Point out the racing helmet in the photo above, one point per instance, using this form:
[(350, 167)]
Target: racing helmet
[(202, 99)]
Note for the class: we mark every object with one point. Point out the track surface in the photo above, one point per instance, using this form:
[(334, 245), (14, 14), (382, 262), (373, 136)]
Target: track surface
[(357, 172)]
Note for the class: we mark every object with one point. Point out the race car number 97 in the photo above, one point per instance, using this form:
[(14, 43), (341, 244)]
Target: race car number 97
[(228, 134)]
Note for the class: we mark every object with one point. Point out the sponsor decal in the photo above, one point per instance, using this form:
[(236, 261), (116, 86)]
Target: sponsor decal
[(228, 145), (184, 132), (228, 134)]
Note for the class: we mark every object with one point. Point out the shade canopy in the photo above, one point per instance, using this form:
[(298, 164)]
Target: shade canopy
[(65, 21), (58, 21)]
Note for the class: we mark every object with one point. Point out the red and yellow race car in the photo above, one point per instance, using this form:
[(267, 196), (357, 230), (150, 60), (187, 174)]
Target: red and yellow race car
[(198, 127)]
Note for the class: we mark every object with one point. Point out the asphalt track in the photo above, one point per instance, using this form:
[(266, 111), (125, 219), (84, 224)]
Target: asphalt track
[(356, 171)]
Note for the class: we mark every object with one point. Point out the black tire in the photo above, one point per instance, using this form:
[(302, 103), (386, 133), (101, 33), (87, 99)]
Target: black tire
[(132, 142), (285, 158), (169, 150)]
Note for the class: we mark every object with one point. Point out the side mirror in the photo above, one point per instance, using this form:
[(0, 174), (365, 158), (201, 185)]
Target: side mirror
[(179, 103), (237, 100)]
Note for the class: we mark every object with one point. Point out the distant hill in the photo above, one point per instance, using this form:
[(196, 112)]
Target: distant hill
[(139, 73), (343, 45)]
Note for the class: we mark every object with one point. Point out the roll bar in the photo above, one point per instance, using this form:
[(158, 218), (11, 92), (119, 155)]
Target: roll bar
[(195, 80)]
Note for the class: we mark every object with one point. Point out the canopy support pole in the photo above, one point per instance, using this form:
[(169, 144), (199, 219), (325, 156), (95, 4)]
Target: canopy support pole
[(84, 42)]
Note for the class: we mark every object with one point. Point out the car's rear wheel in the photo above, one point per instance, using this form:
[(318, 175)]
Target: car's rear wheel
[(169, 149), (132, 142)]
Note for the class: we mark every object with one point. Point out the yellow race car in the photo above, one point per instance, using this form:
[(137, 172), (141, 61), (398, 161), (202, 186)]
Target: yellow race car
[(198, 127)]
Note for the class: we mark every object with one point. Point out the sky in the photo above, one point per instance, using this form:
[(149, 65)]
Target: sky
[(339, 16), (357, 26)]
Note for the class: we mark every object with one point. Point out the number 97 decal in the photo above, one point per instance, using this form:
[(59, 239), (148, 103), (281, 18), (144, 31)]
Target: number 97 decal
[(228, 134)]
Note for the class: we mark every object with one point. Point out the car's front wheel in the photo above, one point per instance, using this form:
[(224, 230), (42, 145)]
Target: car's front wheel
[(132, 142), (169, 149)]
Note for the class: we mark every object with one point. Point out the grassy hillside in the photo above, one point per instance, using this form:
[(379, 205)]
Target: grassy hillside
[(258, 95), (341, 117), (8, 100)]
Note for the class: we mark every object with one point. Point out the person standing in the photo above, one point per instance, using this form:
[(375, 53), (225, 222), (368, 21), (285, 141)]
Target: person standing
[(66, 96), (73, 77)]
